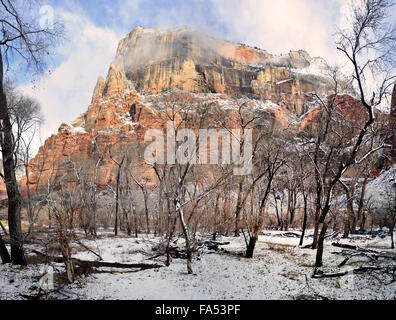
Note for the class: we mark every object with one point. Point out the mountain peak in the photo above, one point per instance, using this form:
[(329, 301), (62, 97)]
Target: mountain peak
[(185, 58)]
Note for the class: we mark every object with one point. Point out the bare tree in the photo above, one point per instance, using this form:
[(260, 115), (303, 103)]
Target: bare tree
[(119, 164), (24, 116), (26, 119), (62, 214), (94, 187), (270, 158), (21, 37), (369, 31), (303, 175), (128, 203), (183, 111), (143, 187)]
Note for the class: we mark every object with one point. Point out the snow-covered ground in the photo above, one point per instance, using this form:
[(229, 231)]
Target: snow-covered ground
[(279, 270), (382, 189)]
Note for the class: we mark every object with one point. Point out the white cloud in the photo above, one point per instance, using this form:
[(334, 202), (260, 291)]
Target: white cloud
[(67, 92), (277, 26), (282, 25)]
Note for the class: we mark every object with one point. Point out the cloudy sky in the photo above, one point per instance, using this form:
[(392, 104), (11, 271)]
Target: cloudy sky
[(94, 27)]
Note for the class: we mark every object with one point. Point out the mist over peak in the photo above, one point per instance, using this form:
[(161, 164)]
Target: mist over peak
[(186, 58)]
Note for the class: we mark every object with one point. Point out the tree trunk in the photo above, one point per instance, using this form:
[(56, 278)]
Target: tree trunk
[(170, 230), (304, 226), (116, 208), (257, 228), (347, 227), (350, 219), (179, 209), (278, 218), (317, 201), (260, 222), (66, 253), (145, 195), (361, 219), (250, 247), (135, 221), (319, 252), (216, 228), (316, 234), (29, 198), (160, 210), (4, 255), (127, 223), (238, 209), (291, 208), (94, 207), (71, 220), (14, 197), (49, 220), (353, 224)]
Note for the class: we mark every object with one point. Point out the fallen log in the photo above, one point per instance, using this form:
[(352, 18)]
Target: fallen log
[(372, 258), (89, 249), (366, 269), (214, 245), (198, 248), (345, 246), (320, 274), (333, 235), (42, 293), (373, 253), (290, 235), (98, 264)]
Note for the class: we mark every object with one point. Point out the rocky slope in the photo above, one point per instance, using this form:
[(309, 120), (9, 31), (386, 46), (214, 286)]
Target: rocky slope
[(150, 63)]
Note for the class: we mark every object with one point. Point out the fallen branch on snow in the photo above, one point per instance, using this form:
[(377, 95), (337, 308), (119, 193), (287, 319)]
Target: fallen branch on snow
[(371, 257), (319, 274), (98, 264), (373, 253), (89, 249), (198, 247)]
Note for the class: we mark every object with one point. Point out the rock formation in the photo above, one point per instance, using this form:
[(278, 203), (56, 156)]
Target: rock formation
[(149, 63)]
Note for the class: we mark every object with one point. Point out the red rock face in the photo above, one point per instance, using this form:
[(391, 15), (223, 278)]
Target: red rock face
[(393, 103), (128, 102), (3, 191), (392, 130)]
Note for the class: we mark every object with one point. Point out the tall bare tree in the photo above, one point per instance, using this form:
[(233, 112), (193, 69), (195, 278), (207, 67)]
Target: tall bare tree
[(22, 40), (119, 164), (181, 111), (369, 45), (270, 158), (26, 119)]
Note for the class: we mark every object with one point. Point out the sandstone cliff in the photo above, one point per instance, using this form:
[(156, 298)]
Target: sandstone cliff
[(149, 63)]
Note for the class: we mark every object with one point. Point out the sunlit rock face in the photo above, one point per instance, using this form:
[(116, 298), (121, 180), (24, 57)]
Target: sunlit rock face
[(151, 64), (184, 58)]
